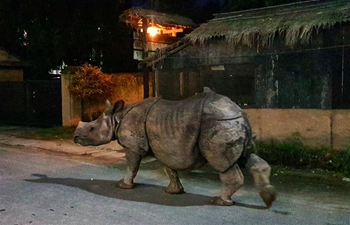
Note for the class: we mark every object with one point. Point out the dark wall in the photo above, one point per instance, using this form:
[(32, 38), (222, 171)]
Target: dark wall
[(178, 84), (36, 103), (313, 76)]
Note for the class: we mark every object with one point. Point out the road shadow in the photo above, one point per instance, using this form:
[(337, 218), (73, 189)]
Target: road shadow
[(141, 193)]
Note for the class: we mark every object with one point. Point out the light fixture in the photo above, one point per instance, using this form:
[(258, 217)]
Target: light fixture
[(153, 31)]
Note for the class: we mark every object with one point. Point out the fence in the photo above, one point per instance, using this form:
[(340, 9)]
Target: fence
[(35, 103)]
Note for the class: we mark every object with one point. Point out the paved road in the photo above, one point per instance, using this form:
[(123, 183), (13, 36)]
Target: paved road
[(41, 188)]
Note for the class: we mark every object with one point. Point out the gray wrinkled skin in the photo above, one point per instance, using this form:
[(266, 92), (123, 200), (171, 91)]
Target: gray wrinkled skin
[(183, 135)]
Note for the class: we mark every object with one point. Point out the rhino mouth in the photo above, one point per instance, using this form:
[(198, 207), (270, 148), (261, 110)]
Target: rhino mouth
[(82, 141)]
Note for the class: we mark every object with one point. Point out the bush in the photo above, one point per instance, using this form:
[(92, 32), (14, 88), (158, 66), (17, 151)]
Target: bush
[(341, 161), (91, 85), (292, 152)]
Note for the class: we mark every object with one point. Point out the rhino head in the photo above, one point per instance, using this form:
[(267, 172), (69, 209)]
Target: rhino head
[(101, 130)]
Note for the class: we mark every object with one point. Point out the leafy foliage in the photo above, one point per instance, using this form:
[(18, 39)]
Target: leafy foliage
[(49, 32), (292, 152), (341, 161), (63, 133), (90, 84)]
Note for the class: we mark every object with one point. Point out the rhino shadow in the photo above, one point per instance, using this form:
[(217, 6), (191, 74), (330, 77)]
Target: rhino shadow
[(149, 193)]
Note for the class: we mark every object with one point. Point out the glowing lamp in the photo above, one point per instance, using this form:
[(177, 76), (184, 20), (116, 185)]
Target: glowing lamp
[(153, 31)]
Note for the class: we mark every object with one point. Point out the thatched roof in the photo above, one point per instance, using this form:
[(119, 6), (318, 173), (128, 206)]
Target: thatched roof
[(10, 60), (133, 16), (295, 22), (163, 53)]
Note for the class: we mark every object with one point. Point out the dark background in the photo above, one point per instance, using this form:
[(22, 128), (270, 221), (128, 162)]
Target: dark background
[(46, 33)]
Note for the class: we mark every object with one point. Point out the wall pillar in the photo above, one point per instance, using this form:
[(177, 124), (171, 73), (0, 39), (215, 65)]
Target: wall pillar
[(71, 107)]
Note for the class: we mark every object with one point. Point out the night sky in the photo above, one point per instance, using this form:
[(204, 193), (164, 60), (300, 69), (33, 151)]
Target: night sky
[(197, 4), (200, 11)]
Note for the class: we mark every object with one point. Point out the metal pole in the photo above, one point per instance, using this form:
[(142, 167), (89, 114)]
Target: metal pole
[(144, 55)]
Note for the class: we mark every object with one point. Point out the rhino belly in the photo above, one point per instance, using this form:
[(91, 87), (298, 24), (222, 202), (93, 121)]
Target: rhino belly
[(172, 130), (180, 160)]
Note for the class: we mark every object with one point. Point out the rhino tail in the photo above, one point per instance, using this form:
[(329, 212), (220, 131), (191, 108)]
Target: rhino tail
[(249, 146)]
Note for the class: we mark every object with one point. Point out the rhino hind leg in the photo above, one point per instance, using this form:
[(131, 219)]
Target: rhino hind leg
[(175, 186), (260, 171), (232, 179)]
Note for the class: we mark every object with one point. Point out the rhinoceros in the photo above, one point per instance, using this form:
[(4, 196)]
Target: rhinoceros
[(183, 135)]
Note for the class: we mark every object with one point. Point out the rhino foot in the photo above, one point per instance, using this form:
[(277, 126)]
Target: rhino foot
[(122, 185), (174, 190), (219, 201), (268, 195)]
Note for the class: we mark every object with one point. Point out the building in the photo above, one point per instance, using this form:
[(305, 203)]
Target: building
[(288, 56), (287, 66), (11, 68), (161, 29)]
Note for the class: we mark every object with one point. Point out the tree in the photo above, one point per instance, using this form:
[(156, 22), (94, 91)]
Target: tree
[(93, 87), (47, 32), (9, 23), (90, 84)]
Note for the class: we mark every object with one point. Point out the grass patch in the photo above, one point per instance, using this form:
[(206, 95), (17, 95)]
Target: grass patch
[(55, 133), (294, 153)]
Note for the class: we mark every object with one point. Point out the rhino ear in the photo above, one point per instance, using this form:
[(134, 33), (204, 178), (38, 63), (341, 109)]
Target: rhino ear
[(118, 105)]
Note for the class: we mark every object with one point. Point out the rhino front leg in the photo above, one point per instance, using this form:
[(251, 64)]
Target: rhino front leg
[(175, 186), (260, 171), (232, 179), (133, 163)]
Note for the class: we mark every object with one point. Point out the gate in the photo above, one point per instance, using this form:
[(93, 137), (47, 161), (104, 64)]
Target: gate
[(36, 103)]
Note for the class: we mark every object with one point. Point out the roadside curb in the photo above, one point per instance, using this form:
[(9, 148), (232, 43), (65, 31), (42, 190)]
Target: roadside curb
[(112, 150)]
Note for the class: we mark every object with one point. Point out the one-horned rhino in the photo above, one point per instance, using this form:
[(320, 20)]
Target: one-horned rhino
[(183, 135)]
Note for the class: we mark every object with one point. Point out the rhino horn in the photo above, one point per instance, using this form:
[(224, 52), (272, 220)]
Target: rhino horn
[(108, 104)]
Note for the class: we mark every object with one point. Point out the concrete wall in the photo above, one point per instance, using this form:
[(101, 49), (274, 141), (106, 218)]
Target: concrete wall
[(71, 107), (328, 128), (11, 75), (129, 87), (316, 128), (341, 129)]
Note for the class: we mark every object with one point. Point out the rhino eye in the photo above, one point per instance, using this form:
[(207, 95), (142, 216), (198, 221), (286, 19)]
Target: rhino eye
[(92, 129)]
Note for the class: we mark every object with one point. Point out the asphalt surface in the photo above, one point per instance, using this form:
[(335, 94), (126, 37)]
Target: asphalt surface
[(27, 163)]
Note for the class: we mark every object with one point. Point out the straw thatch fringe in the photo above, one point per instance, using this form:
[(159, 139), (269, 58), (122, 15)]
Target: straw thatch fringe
[(296, 22), (133, 16)]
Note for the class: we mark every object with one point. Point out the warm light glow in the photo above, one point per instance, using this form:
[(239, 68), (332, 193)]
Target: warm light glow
[(153, 31)]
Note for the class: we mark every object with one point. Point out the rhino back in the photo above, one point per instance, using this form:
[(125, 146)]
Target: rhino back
[(173, 129), (131, 132), (220, 107)]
